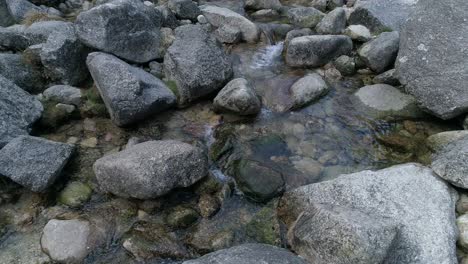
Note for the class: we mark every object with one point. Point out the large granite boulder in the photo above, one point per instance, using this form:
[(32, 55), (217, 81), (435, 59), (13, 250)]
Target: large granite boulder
[(26, 76), (151, 169), (402, 214), (126, 28), (196, 64), (129, 93), (249, 254), (34, 162), (380, 53), (18, 111), (450, 163), (433, 60), (239, 97)]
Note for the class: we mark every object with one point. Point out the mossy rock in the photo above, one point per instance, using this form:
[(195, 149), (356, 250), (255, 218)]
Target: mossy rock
[(172, 85), (264, 227), (75, 194), (181, 217), (53, 117)]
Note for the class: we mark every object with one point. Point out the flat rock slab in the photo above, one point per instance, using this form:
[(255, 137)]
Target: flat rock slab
[(451, 163), (34, 162), (433, 60)]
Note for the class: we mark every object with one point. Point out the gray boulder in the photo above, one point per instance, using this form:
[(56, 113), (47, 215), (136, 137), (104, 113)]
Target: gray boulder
[(168, 18), (26, 76), (438, 141), (249, 254), (389, 77), (151, 169), (381, 16), (316, 51), (409, 197), (263, 4), (450, 162), (13, 38), (63, 94), (306, 17), (333, 23), (196, 64), (345, 65), (64, 56), (318, 4), (39, 32), (219, 16), (184, 9), (238, 97), (34, 162), (129, 93), (296, 33), (380, 53), (20, 9), (435, 72), (128, 29), (18, 111), (228, 34), (5, 17), (358, 33), (307, 89)]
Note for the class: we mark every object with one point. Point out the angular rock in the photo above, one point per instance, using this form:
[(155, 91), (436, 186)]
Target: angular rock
[(18, 111), (263, 4), (63, 94), (238, 97), (26, 76), (389, 77), (129, 93), (358, 32), (316, 51), (410, 197), (450, 162), (219, 16), (380, 53), (184, 9), (13, 38), (307, 89), (151, 169), (196, 64), (5, 17), (332, 23), (345, 65), (34, 162), (128, 29), (228, 34), (168, 18), (20, 9), (438, 141), (249, 254), (436, 72), (306, 17)]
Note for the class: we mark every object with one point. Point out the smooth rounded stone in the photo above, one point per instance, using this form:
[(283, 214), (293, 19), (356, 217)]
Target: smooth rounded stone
[(75, 194), (129, 93), (196, 64), (128, 29), (182, 217), (438, 141), (358, 33), (249, 254), (380, 53), (184, 9), (332, 23), (64, 94), (264, 14), (389, 77), (65, 108), (239, 97), (436, 72), (450, 163), (28, 77), (383, 100), (306, 17), (296, 33), (462, 204), (228, 34), (318, 4), (257, 181), (462, 223), (316, 51), (381, 16), (409, 197), (219, 16), (168, 18), (67, 241), (345, 65), (263, 4), (33, 162), (151, 169), (307, 89), (202, 19), (18, 111)]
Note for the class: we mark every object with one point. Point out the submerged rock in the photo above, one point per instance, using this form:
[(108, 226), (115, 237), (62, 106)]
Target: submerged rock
[(75, 194), (380, 53), (150, 169), (129, 93), (34, 162), (307, 89), (306, 17), (450, 162), (238, 97)]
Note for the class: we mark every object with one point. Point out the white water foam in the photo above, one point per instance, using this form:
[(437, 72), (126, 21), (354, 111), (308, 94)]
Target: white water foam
[(265, 57)]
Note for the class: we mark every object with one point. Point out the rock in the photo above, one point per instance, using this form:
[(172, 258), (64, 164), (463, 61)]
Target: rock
[(219, 16), (332, 23), (382, 100), (208, 205), (389, 77), (436, 72), (129, 93), (358, 33), (332, 4), (67, 241), (202, 19), (184, 9), (306, 17), (307, 89), (196, 64), (18, 111), (450, 163), (249, 254), (75, 194), (157, 69), (264, 14), (5, 17), (13, 38), (257, 181), (409, 197), (181, 217), (315, 51), (128, 29), (381, 16), (345, 65), (65, 108), (462, 224), (380, 53), (40, 31), (438, 141), (150, 169), (19, 10), (34, 162), (296, 33), (64, 56), (263, 4), (462, 204), (168, 18), (63, 94), (26, 76), (228, 34), (238, 97)]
